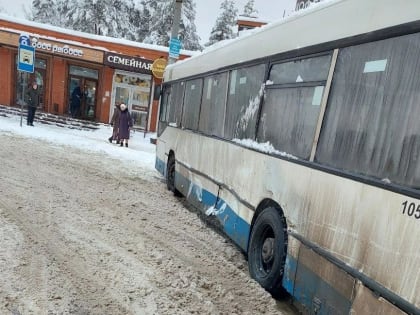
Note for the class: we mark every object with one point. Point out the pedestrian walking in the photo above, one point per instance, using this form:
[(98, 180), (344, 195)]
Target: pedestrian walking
[(33, 103), (115, 123), (124, 126), (76, 100)]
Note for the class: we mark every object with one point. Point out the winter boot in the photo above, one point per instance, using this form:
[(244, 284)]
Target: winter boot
[(121, 144), (110, 139), (126, 144)]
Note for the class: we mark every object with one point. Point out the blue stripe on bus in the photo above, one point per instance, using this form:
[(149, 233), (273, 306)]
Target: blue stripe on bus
[(317, 295), (234, 226), (290, 268), (160, 166), (311, 291), (298, 280)]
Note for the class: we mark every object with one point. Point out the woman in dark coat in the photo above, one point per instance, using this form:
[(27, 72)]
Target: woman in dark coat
[(33, 103), (115, 123), (125, 124)]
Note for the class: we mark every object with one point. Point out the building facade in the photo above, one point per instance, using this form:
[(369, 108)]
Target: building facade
[(245, 23), (108, 71)]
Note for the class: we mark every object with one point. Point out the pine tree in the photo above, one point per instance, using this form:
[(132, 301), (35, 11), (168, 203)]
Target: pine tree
[(149, 21), (117, 19), (53, 12), (161, 22), (225, 23), (188, 31), (140, 20), (45, 11), (88, 16), (249, 10)]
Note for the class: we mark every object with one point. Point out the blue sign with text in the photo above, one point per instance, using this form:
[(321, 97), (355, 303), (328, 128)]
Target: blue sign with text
[(26, 55), (174, 47)]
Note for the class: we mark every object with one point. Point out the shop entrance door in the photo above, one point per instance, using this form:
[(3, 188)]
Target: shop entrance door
[(134, 91), (87, 109)]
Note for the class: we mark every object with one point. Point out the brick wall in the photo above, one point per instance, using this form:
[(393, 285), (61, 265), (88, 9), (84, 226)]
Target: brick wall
[(6, 72)]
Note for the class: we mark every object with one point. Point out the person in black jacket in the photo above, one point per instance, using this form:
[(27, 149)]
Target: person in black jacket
[(33, 103), (76, 99)]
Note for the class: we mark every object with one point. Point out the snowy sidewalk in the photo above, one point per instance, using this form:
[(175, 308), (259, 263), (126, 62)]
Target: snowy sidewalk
[(96, 140)]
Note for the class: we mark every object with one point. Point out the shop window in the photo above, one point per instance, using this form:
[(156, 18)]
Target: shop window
[(133, 90), (84, 72), (132, 80)]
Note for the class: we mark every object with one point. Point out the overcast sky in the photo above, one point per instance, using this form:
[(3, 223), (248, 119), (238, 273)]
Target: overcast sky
[(207, 11)]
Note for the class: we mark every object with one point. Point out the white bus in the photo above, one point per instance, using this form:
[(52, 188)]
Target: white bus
[(302, 141)]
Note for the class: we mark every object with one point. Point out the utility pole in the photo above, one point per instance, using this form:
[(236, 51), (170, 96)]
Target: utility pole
[(174, 44)]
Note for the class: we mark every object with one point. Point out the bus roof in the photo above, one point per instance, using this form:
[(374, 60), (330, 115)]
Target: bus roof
[(324, 22)]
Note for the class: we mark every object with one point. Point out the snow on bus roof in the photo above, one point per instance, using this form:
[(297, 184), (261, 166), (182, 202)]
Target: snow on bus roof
[(322, 22)]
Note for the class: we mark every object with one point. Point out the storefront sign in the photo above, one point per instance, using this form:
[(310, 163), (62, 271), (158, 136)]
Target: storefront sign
[(129, 63), (56, 48), (158, 67)]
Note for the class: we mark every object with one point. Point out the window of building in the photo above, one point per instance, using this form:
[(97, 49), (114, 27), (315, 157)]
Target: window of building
[(84, 72)]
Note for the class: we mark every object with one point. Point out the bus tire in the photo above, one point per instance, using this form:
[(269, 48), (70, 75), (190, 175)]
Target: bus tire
[(170, 175), (267, 250)]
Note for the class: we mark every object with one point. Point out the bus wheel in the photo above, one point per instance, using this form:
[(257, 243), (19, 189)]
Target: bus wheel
[(170, 176), (267, 250), (170, 173)]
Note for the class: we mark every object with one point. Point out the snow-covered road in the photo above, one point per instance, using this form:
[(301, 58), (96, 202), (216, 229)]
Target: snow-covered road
[(88, 227)]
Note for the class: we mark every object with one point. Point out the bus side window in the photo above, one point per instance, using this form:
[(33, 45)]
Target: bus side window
[(409, 166), (213, 105), (244, 95), (164, 103), (373, 108), (176, 101), (192, 100), (292, 105)]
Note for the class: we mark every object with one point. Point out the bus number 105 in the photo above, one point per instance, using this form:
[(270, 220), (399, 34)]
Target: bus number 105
[(410, 208)]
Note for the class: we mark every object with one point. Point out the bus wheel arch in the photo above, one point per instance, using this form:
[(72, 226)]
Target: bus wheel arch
[(267, 247)]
